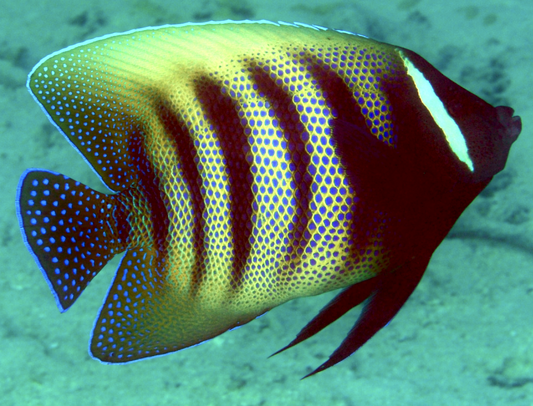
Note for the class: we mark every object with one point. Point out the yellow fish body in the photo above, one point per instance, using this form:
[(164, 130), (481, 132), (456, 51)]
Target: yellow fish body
[(253, 163)]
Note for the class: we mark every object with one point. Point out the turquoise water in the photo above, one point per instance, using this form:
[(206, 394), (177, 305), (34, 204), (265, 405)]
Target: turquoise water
[(463, 338)]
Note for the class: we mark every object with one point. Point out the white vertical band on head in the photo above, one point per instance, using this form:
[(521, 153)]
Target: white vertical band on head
[(433, 103)]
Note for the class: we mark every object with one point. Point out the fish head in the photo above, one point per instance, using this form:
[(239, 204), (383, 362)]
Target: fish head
[(489, 132), (480, 134)]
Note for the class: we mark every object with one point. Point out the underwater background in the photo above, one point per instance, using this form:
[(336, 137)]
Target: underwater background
[(465, 337)]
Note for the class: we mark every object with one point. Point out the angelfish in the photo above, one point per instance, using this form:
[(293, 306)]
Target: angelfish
[(251, 163)]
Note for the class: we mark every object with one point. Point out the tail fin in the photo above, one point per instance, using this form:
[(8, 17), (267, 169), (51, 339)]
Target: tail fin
[(69, 228)]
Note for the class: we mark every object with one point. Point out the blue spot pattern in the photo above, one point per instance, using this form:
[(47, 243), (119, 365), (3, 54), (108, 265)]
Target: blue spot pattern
[(130, 311), (66, 228)]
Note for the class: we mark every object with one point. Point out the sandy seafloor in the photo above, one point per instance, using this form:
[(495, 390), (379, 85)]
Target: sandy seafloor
[(465, 337)]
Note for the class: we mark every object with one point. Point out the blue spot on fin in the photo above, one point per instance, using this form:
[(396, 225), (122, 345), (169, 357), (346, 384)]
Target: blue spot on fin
[(150, 311), (67, 227), (132, 323)]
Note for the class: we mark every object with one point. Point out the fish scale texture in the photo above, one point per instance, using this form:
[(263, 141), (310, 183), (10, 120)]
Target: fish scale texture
[(248, 202)]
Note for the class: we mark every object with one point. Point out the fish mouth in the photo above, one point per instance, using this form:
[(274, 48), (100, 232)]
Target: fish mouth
[(513, 124)]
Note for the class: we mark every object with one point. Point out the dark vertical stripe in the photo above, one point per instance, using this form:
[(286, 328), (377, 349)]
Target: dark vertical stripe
[(370, 164), (346, 111), (296, 136), (187, 153), (232, 133), (151, 189)]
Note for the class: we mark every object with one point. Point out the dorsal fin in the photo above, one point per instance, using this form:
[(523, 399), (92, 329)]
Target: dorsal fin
[(103, 94)]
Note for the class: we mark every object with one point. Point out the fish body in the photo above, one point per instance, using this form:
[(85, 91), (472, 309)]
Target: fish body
[(252, 163)]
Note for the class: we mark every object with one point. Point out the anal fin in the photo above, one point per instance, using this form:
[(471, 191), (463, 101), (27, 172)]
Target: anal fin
[(150, 310), (126, 328)]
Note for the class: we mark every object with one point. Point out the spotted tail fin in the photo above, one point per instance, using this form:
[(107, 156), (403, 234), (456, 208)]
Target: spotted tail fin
[(71, 230)]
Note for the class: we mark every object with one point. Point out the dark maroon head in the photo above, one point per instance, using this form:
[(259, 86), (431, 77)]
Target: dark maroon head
[(488, 131)]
